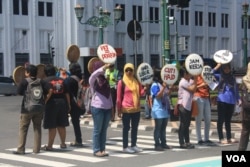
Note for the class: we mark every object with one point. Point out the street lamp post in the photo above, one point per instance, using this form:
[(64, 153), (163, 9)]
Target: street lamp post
[(245, 7), (165, 23), (101, 21), (172, 20)]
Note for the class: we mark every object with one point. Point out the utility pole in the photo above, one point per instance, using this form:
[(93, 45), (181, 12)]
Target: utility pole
[(245, 8), (166, 34)]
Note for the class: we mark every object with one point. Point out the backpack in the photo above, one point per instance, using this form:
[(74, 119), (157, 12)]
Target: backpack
[(245, 99), (34, 98), (57, 86), (79, 99)]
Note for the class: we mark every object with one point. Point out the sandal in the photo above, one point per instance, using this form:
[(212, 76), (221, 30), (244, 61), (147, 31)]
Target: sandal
[(99, 154), (63, 146), (46, 148), (223, 141), (232, 141)]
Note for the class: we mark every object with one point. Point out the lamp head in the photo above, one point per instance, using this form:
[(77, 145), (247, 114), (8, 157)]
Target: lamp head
[(79, 12), (245, 7), (118, 13)]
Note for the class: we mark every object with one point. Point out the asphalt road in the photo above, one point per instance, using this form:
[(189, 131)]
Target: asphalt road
[(9, 117)]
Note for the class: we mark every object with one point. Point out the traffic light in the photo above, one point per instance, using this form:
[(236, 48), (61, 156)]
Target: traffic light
[(172, 2), (52, 52), (183, 3)]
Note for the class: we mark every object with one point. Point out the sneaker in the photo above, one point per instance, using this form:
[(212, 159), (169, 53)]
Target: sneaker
[(190, 146), (166, 147), (159, 148), (201, 142), (128, 150), (137, 149), (18, 152), (76, 144), (209, 143)]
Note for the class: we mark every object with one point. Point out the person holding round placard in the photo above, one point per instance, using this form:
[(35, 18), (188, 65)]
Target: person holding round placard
[(186, 89), (228, 96), (202, 97), (101, 108), (129, 91), (160, 111)]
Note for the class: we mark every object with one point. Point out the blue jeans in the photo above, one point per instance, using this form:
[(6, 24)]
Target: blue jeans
[(101, 118), (160, 132), (204, 112), (134, 118)]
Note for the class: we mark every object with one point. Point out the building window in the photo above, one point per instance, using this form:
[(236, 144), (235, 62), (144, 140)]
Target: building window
[(154, 15), (184, 17), (25, 7), (137, 13), (171, 12), (123, 11), (1, 63), (16, 7), (1, 7), (21, 58), (211, 19), (45, 58), (224, 20), (198, 18), (199, 44), (155, 60), (40, 8), (49, 9)]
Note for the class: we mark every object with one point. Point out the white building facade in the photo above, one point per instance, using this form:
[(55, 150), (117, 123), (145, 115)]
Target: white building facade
[(30, 28)]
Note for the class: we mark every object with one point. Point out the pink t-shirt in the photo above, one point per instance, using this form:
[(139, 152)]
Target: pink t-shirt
[(184, 96)]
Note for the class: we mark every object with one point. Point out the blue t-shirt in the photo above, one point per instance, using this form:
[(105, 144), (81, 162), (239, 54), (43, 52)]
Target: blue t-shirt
[(160, 105)]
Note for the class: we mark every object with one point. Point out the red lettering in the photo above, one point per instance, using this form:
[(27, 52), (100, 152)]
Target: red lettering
[(169, 77), (169, 70)]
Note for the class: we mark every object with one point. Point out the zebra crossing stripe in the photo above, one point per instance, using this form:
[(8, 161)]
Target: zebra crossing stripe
[(31, 160)]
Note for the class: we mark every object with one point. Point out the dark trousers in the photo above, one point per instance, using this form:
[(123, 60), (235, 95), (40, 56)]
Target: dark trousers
[(134, 119), (245, 132), (75, 118), (160, 132), (185, 119), (225, 112)]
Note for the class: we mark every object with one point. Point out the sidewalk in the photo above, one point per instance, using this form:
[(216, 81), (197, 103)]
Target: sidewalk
[(148, 125)]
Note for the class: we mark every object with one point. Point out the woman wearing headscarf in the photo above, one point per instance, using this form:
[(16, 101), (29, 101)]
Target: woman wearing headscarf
[(228, 96), (101, 107), (245, 132), (129, 91)]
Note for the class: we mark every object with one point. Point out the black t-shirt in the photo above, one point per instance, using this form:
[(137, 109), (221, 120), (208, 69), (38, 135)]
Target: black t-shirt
[(72, 86), (50, 86)]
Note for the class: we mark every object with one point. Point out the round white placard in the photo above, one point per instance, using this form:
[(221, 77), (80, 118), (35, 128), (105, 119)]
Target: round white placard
[(169, 74), (194, 64), (223, 56), (207, 74), (106, 53), (145, 74)]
